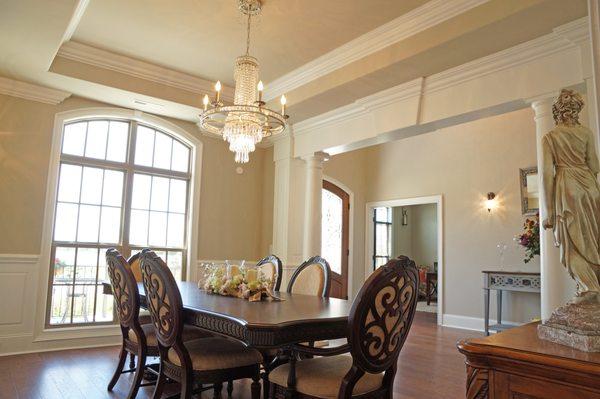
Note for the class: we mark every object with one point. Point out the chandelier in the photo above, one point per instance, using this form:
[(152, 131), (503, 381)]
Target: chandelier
[(245, 123)]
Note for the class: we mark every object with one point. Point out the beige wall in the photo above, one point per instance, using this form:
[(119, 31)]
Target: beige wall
[(231, 217), (462, 163)]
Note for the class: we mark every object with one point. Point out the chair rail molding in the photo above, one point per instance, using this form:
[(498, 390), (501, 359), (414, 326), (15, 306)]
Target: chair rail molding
[(418, 20), (559, 59), (83, 53), (33, 92)]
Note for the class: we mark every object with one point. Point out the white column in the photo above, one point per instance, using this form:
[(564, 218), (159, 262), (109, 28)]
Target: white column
[(557, 286), (312, 206)]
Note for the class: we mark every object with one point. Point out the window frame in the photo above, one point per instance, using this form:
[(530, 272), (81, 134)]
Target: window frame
[(389, 233), (44, 330)]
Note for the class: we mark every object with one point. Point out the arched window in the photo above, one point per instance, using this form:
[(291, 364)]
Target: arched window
[(121, 184)]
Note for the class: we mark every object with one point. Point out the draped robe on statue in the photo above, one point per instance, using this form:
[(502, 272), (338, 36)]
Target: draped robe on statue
[(573, 200)]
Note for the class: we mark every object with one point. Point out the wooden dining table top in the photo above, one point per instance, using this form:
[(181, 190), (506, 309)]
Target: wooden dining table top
[(268, 324)]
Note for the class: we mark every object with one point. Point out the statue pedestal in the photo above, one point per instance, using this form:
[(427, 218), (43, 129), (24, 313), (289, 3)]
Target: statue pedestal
[(574, 325)]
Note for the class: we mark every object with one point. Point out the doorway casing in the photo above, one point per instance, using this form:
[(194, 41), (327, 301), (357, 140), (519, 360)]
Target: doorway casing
[(433, 199)]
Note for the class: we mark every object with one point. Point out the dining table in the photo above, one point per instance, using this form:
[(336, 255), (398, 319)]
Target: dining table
[(266, 324)]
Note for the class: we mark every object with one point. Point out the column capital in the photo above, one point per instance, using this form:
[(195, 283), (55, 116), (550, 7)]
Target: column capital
[(317, 157), (542, 104)]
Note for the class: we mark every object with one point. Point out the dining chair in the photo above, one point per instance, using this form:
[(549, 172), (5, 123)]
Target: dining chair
[(312, 277), (138, 338), (272, 268), (378, 324), (211, 360)]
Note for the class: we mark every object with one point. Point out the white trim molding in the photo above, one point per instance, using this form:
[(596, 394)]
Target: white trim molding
[(83, 53), (75, 19), (33, 92), (469, 323), (418, 20)]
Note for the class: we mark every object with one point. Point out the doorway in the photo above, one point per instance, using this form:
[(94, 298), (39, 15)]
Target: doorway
[(335, 236), (410, 227)]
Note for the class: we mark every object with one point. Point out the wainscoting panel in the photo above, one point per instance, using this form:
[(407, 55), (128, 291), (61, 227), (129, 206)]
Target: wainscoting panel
[(18, 293)]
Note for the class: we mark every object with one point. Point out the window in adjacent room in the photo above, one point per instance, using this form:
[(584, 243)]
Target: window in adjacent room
[(382, 220)]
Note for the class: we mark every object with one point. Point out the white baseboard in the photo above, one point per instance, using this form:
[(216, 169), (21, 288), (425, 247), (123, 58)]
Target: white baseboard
[(469, 323), (21, 344)]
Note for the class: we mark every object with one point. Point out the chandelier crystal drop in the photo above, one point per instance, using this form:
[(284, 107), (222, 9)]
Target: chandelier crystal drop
[(245, 123)]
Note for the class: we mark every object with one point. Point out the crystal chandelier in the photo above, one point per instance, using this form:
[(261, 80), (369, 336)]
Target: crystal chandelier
[(245, 123)]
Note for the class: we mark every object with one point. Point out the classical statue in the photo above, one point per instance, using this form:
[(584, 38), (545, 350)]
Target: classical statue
[(572, 195)]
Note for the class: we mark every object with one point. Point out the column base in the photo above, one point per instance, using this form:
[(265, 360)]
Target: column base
[(574, 325)]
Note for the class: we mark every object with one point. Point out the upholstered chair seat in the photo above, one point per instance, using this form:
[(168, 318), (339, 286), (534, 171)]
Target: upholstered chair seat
[(216, 353), (189, 333), (322, 377)]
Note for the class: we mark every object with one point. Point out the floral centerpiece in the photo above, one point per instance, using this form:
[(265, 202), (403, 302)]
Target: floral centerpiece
[(238, 281), (530, 238)]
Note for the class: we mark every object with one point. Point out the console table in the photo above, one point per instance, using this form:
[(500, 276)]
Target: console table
[(517, 364), (505, 281)]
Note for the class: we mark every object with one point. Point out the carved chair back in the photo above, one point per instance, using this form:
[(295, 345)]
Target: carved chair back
[(134, 264), (125, 290), (313, 277), (380, 319), (163, 299), (275, 269)]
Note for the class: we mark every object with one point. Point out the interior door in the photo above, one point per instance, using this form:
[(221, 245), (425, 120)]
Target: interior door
[(335, 221)]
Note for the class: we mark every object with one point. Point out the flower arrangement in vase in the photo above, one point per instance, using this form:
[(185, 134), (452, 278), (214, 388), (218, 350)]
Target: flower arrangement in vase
[(530, 238), (238, 281)]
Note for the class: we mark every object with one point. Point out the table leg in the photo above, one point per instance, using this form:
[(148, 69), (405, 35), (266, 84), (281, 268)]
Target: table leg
[(486, 310), (499, 305)]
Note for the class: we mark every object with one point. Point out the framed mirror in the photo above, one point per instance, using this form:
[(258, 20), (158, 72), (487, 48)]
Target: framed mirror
[(530, 193)]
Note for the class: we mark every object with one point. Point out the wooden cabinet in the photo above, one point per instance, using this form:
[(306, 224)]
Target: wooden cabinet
[(515, 364)]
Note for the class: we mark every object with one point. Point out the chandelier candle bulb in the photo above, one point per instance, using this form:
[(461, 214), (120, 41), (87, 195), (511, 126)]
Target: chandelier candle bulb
[(283, 102), (218, 90), (205, 102), (260, 88)]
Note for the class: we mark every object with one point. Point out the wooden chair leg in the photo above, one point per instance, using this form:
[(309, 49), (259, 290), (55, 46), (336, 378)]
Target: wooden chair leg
[(229, 388), (139, 374), (255, 387), (160, 385), (187, 385), (131, 360), (119, 369), (218, 386)]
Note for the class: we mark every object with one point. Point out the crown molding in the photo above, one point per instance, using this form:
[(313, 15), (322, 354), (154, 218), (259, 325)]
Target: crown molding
[(80, 52), (563, 38), (75, 19), (33, 92), (420, 19)]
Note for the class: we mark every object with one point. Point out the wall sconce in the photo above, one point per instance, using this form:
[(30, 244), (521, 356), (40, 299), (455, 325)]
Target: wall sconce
[(404, 217), (491, 201)]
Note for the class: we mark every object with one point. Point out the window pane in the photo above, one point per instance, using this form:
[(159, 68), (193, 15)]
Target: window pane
[(104, 306), (95, 146), (158, 229), (140, 199), (74, 138), (70, 180), (380, 261), (177, 196), (83, 303), (181, 156), (112, 191), (87, 262), (162, 151), (110, 225), (117, 141), (138, 228), (383, 214), (91, 186), (331, 230), (160, 194), (65, 224), (102, 275), (175, 263), (60, 308), (64, 265), (89, 220), (381, 231), (144, 146), (176, 230)]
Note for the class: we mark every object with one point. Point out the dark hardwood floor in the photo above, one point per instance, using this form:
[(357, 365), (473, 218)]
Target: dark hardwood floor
[(429, 367)]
